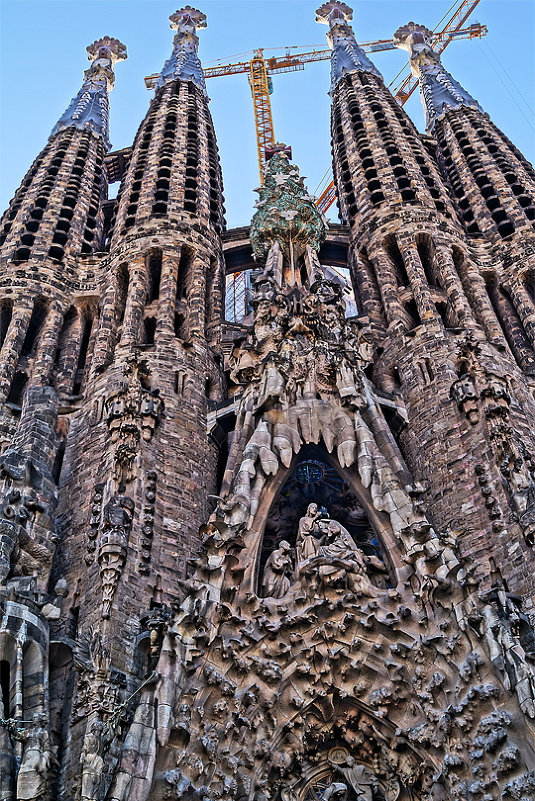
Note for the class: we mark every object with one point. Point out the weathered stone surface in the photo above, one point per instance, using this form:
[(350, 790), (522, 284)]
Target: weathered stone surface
[(289, 557)]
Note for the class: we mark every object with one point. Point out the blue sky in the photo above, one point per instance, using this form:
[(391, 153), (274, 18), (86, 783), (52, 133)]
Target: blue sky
[(43, 57)]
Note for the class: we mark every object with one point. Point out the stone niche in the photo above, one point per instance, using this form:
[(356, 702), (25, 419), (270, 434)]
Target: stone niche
[(313, 480)]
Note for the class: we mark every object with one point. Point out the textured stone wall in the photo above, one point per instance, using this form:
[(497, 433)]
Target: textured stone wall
[(144, 629), (56, 212), (425, 285)]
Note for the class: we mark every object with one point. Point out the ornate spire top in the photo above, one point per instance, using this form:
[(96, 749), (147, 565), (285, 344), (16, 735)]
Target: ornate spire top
[(439, 91), (183, 62), (90, 109), (347, 56), (286, 214)]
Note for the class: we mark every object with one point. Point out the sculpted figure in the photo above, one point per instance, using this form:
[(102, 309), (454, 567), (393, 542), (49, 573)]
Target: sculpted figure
[(276, 581), (464, 392), (496, 395), (337, 791), (36, 760), (307, 544), (345, 559), (151, 408), (118, 514), (358, 777), (92, 761)]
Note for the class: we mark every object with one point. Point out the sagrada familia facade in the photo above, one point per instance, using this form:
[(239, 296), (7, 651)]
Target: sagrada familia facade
[(291, 557)]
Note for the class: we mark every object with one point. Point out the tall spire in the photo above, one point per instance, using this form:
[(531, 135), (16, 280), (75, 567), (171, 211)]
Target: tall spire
[(90, 109), (183, 63), (347, 56), (440, 92)]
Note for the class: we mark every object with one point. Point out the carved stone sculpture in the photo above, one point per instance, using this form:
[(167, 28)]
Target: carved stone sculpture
[(501, 623), (307, 543), (277, 572), (133, 414), (92, 761), (358, 777), (335, 790), (116, 525), (341, 560), (37, 757), (465, 393)]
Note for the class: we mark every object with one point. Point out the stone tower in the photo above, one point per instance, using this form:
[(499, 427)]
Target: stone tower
[(286, 556)]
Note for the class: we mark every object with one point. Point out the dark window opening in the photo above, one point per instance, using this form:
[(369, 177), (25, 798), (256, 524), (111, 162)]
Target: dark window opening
[(179, 325), (6, 311), (58, 462), (155, 275), (412, 310), (426, 252), (123, 279), (210, 305), (182, 274), (82, 356), (391, 246), (180, 382), (18, 386), (511, 325), (149, 325), (5, 686), (36, 322)]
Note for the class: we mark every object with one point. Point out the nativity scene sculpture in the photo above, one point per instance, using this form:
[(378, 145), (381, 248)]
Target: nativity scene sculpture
[(326, 555)]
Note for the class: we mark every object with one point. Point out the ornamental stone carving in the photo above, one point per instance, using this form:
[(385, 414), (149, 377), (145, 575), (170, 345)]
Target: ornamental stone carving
[(37, 758), (113, 545), (440, 91), (286, 214), (132, 415)]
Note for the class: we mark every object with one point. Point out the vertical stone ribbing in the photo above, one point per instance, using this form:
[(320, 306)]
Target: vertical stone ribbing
[(494, 186), (156, 337), (428, 281)]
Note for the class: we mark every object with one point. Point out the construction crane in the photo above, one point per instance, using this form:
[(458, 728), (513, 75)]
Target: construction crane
[(259, 70)]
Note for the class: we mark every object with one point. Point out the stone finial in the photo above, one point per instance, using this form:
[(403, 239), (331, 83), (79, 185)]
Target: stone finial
[(187, 15), (106, 48), (286, 213), (89, 110), (333, 10), (184, 64), (347, 57), (411, 36), (440, 92)]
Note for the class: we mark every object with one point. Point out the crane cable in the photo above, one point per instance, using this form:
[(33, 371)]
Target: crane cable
[(322, 181), (506, 87)]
